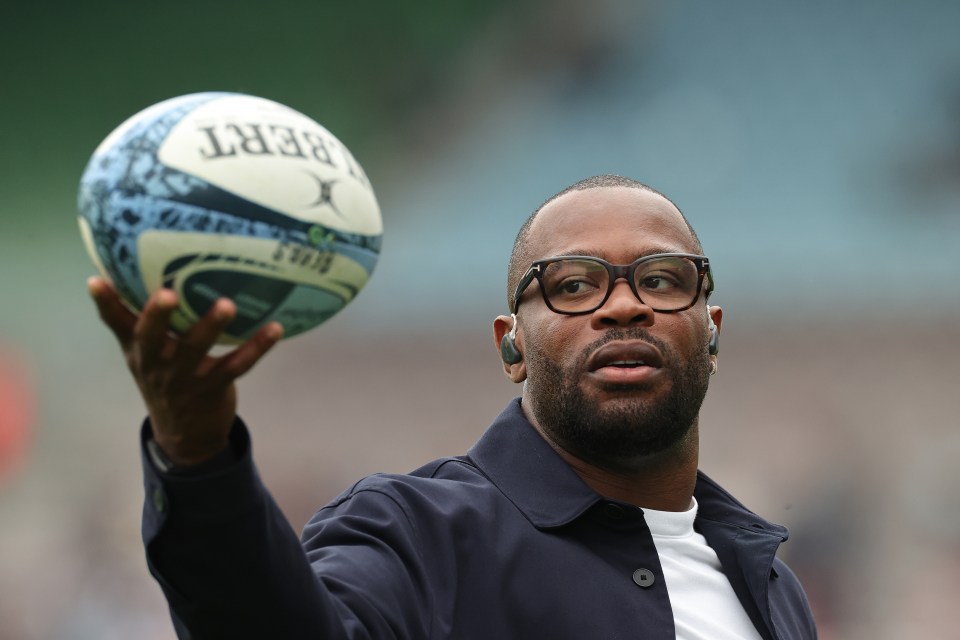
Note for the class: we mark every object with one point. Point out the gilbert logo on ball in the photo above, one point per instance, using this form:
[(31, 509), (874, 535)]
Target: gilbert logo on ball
[(229, 195)]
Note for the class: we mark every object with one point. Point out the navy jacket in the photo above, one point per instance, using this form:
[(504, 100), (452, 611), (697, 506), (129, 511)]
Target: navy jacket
[(504, 543)]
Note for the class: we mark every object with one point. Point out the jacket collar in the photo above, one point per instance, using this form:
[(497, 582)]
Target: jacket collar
[(526, 469)]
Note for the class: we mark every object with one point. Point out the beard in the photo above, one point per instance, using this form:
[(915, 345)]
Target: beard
[(626, 428)]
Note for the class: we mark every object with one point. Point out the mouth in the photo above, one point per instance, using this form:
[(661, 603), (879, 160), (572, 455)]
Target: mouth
[(625, 355), (629, 362)]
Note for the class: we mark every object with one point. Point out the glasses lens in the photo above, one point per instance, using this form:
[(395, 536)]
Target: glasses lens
[(667, 283), (575, 284)]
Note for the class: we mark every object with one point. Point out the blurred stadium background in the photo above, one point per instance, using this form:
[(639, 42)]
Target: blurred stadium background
[(815, 146)]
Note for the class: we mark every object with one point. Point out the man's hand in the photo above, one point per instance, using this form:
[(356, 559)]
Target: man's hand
[(190, 395)]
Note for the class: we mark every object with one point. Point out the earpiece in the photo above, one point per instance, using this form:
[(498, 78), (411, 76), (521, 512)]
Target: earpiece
[(713, 347), (508, 345)]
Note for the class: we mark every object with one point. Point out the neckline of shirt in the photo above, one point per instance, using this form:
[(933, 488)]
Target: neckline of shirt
[(671, 524)]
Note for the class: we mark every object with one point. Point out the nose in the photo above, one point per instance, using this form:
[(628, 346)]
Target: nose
[(622, 309)]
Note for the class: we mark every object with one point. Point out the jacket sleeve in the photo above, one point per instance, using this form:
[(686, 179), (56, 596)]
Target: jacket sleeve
[(230, 565)]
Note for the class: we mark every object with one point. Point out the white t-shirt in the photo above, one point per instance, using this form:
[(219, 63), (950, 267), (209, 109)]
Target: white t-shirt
[(704, 604)]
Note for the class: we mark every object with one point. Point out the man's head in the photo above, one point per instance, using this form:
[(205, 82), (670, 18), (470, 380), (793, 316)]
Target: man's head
[(621, 382), (519, 258)]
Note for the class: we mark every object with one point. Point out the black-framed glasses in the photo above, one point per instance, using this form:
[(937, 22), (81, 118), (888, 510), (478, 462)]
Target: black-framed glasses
[(573, 285)]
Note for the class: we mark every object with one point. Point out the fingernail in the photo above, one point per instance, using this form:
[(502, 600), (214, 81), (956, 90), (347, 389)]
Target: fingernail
[(274, 331), (223, 309), (166, 299), (94, 286)]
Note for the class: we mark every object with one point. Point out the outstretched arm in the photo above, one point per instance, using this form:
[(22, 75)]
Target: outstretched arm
[(228, 562)]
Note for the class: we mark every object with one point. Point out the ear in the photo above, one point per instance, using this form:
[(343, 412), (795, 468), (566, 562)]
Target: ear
[(501, 327), (716, 314)]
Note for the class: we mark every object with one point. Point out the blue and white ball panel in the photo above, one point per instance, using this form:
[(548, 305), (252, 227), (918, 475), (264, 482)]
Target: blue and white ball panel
[(124, 166), (133, 214)]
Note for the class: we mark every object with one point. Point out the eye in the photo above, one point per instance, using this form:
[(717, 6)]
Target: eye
[(574, 286), (659, 282)]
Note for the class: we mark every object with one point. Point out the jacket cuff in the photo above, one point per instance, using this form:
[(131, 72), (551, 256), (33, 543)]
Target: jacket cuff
[(226, 484)]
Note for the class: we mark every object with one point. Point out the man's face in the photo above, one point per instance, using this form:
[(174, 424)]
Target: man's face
[(585, 384)]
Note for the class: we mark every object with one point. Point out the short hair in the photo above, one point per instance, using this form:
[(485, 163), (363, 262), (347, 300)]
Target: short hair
[(518, 256)]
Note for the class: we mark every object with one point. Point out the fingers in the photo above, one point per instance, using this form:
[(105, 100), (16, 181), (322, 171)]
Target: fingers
[(193, 347), (118, 318), (195, 344), (146, 340), (241, 360), (150, 332)]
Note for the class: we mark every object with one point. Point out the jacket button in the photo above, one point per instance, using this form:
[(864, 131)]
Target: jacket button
[(644, 578), (159, 500), (613, 511)]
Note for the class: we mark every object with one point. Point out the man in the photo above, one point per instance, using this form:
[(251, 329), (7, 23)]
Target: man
[(579, 514)]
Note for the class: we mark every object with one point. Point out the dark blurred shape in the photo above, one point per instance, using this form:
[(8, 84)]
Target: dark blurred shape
[(930, 168)]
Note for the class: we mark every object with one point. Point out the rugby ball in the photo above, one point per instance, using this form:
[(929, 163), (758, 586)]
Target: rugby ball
[(230, 195)]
